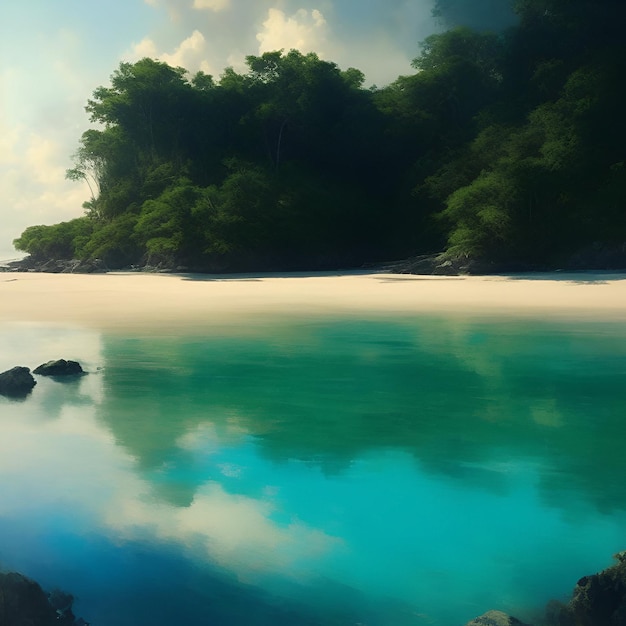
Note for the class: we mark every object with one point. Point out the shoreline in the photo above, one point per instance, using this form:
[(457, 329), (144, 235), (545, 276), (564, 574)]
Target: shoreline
[(131, 300)]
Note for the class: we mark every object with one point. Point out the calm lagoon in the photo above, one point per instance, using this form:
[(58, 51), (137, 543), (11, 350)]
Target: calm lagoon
[(383, 470)]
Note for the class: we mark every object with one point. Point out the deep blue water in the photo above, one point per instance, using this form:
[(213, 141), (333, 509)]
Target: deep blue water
[(351, 471)]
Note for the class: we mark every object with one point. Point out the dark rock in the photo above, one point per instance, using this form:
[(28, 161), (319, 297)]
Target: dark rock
[(23, 265), (17, 382), (421, 264), (60, 367), (495, 618), (443, 264), (62, 603), (23, 603), (56, 266), (598, 599)]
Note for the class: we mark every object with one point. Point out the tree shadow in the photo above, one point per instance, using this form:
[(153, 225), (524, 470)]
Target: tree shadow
[(259, 276), (603, 277)]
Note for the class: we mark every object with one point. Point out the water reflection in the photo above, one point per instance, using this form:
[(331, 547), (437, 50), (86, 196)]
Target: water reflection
[(337, 471), (453, 393)]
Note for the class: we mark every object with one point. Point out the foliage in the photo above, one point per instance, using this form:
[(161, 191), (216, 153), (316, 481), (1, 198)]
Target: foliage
[(59, 241), (507, 146)]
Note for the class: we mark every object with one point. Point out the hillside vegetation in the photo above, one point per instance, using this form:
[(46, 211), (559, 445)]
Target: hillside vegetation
[(504, 147)]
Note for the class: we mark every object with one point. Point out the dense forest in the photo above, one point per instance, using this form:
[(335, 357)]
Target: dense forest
[(505, 147)]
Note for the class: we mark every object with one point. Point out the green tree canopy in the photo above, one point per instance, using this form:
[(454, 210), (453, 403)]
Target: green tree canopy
[(503, 146)]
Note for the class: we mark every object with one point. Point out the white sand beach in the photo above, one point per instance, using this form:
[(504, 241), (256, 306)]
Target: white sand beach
[(147, 301)]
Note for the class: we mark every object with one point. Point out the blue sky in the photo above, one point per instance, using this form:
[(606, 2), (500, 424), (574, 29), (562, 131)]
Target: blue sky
[(56, 52)]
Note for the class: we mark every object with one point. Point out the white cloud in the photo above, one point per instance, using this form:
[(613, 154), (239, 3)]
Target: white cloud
[(145, 48), (176, 10), (237, 60), (235, 531), (191, 53), (33, 184), (80, 464), (213, 5), (44, 160), (302, 31), (205, 439)]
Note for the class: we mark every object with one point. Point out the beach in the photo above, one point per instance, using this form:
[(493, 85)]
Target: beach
[(144, 301)]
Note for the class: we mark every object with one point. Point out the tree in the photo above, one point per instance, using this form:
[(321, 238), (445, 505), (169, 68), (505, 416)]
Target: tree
[(65, 240), (482, 214), (148, 100), (167, 226), (502, 146)]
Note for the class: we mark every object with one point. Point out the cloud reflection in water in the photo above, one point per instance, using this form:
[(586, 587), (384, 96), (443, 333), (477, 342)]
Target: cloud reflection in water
[(250, 457)]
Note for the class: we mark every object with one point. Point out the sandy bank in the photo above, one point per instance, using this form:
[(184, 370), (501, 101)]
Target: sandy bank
[(139, 301)]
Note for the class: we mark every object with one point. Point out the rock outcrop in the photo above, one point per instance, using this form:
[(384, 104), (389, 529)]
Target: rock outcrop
[(17, 382), (598, 599), (442, 264), (23, 603), (59, 367), (55, 266), (495, 618)]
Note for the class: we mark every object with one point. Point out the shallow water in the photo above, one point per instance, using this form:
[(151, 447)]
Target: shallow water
[(382, 471)]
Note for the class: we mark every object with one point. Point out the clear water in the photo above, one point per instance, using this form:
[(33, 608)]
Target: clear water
[(351, 471)]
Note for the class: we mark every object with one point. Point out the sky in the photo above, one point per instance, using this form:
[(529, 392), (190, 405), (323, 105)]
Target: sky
[(54, 53)]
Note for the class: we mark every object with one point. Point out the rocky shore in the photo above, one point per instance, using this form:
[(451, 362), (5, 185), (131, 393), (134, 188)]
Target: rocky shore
[(430, 264), (595, 257), (54, 266), (77, 266), (441, 265), (434, 264)]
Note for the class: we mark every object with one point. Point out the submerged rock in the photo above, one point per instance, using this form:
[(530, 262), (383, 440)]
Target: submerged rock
[(23, 602), (17, 382), (60, 367), (598, 599), (495, 618)]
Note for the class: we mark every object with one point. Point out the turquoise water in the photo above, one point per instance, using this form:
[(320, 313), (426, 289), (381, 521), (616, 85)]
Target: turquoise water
[(382, 471)]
